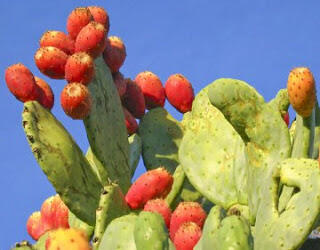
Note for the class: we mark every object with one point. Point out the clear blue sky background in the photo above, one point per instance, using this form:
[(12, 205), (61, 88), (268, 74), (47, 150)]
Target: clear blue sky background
[(256, 41)]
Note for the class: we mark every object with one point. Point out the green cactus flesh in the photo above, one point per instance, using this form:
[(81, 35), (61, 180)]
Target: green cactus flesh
[(24, 245), (62, 161), (120, 234), (178, 179), (111, 205), (281, 101), (161, 135), (96, 165), (221, 232), (135, 150), (150, 232), (288, 230), (316, 140), (106, 129), (213, 157)]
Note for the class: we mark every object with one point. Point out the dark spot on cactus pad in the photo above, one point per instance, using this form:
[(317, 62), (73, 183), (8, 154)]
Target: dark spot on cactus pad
[(30, 138), (95, 239), (25, 109), (104, 191), (235, 211), (24, 124), (37, 152), (99, 208)]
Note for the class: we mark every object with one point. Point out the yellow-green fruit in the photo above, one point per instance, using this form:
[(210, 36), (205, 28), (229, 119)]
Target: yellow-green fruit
[(302, 91), (67, 239)]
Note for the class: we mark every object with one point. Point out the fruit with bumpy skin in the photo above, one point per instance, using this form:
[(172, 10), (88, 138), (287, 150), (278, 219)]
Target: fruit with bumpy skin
[(151, 88), (51, 61), (131, 123), (100, 15), (150, 185), (302, 91), (114, 53), (77, 19), (35, 226), (179, 92), (161, 207), (187, 236), (79, 68), (76, 100), (286, 118), (120, 83), (187, 211), (54, 213), (91, 39), (47, 97), (67, 239), (21, 83), (59, 40), (133, 99)]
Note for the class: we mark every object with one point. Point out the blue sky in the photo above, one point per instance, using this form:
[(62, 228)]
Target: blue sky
[(255, 41)]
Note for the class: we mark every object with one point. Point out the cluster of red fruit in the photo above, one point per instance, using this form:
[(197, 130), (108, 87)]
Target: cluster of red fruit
[(185, 223), (71, 57)]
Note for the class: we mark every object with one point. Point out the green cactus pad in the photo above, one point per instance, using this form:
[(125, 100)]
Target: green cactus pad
[(288, 230), (281, 101), (213, 157), (237, 100), (135, 150), (106, 130), (62, 161), (96, 165), (120, 234), (41, 243), (111, 205), (24, 245), (178, 179), (150, 232), (316, 141), (75, 222), (161, 135)]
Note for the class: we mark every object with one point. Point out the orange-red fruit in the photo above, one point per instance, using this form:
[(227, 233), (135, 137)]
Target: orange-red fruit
[(79, 68), (76, 100), (187, 236), (159, 206), (51, 61), (301, 91), (59, 40), (77, 19), (100, 15), (187, 211), (114, 53), (67, 239), (131, 123), (21, 83), (153, 184), (133, 99), (120, 82), (35, 227), (152, 89), (55, 213), (46, 98), (179, 92), (91, 39)]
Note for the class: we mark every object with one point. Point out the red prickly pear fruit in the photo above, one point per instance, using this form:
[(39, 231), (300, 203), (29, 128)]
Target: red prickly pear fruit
[(91, 39), (100, 15), (79, 68), (187, 211), (54, 213), (21, 83), (179, 92), (114, 53), (131, 123), (67, 239), (59, 40), (286, 118), (187, 236), (152, 89), (35, 227), (301, 91), (47, 97), (120, 82), (159, 206), (133, 99), (51, 61), (76, 100), (153, 184), (77, 19)]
